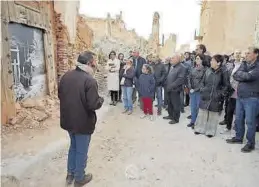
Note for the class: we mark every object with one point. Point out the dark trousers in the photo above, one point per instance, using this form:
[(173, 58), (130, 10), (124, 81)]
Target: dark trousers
[(114, 96), (165, 97), (226, 108), (120, 93), (134, 95), (231, 106), (174, 105), (187, 99), (147, 105)]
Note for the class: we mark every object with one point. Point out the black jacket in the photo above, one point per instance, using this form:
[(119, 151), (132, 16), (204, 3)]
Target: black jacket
[(213, 90), (129, 75), (159, 73), (79, 98), (248, 78), (138, 65), (195, 78), (176, 78)]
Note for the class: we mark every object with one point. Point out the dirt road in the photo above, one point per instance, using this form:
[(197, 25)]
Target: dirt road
[(127, 151)]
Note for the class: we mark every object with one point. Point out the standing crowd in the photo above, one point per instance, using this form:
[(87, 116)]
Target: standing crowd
[(209, 84), (214, 85)]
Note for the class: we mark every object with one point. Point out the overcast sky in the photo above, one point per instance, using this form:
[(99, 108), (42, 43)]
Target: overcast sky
[(176, 16)]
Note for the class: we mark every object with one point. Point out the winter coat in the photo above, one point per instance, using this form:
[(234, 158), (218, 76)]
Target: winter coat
[(138, 64), (113, 81), (195, 78), (213, 90), (79, 98), (176, 78), (146, 85), (159, 73), (128, 77), (248, 77)]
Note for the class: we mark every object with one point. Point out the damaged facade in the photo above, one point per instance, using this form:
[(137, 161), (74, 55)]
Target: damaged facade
[(224, 29), (40, 42)]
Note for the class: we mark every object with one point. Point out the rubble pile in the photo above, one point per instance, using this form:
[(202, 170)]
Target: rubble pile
[(32, 113)]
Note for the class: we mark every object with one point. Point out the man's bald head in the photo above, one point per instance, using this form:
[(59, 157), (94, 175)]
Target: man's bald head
[(176, 58)]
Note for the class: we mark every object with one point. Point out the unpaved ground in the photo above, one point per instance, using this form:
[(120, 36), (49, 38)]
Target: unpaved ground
[(128, 151)]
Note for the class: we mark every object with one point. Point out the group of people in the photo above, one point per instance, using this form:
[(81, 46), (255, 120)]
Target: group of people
[(206, 83), (210, 85)]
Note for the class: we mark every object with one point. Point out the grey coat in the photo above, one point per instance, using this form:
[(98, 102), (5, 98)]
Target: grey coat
[(176, 78)]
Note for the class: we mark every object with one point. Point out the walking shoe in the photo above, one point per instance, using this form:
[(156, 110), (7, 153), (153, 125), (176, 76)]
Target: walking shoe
[(130, 112), (143, 116), (209, 136), (167, 117), (224, 122), (247, 148), (189, 117), (190, 125), (234, 141), (197, 133), (173, 122), (87, 179), (69, 179), (125, 111)]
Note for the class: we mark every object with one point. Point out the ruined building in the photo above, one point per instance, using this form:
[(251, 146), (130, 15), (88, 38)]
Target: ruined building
[(40, 41), (169, 46), (228, 25), (111, 34)]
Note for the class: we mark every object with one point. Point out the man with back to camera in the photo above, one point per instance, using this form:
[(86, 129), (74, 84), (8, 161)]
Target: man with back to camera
[(79, 98)]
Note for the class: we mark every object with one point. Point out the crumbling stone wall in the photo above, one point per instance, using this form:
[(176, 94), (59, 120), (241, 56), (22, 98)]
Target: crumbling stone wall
[(111, 34)]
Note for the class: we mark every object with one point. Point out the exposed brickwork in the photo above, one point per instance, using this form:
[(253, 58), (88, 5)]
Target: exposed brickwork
[(62, 38)]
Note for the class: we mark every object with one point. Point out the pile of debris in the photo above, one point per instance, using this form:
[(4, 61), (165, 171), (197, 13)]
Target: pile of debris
[(32, 113)]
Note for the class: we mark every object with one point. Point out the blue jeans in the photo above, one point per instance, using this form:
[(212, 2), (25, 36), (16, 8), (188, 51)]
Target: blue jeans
[(77, 155), (127, 97), (247, 110), (195, 101), (159, 98)]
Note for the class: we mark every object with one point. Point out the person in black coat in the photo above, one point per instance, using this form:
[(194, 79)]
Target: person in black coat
[(159, 72), (138, 63), (213, 90), (247, 102), (79, 98)]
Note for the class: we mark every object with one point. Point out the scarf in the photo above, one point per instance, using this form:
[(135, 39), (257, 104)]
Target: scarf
[(85, 68)]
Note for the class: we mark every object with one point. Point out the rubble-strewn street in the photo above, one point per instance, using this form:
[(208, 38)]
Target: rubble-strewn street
[(129, 151)]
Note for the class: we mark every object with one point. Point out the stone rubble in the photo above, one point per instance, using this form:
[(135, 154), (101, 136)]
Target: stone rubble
[(33, 113)]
